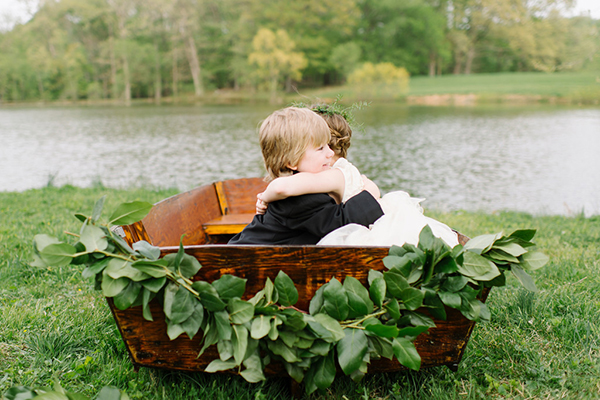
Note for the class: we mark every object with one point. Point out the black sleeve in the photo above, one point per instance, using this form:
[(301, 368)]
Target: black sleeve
[(319, 214)]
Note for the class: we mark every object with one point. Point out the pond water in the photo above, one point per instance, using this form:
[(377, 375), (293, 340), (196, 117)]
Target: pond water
[(539, 159)]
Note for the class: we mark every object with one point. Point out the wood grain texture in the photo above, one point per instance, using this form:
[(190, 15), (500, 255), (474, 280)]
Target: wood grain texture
[(309, 267)]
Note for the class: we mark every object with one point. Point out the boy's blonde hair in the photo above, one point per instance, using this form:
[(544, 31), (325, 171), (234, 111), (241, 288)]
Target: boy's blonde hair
[(286, 134)]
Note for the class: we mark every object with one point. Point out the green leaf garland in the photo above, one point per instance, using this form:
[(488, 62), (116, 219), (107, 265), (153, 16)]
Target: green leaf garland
[(348, 324)]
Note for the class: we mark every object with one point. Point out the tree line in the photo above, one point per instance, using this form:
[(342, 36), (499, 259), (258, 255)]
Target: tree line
[(124, 49)]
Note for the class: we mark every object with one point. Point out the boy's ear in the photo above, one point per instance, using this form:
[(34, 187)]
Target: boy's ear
[(292, 168)]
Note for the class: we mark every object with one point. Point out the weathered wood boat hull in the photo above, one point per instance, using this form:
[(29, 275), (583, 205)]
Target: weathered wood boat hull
[(309, 267)]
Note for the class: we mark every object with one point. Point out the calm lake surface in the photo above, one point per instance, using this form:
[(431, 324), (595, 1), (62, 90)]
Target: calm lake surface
[(539, 159)]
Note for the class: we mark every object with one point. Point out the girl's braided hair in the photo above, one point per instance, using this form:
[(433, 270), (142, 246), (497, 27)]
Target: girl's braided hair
[(339, 120)]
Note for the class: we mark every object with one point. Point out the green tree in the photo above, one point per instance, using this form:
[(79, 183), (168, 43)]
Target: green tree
[(410, 34), (274, 56)]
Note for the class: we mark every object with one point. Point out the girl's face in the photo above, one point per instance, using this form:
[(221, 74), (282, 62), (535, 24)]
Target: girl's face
[(315, 159)]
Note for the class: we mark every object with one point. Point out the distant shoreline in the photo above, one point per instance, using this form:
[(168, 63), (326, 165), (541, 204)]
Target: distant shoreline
[(563, 88)]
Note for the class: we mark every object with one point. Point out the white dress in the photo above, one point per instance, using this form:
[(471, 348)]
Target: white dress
[(401, 223)]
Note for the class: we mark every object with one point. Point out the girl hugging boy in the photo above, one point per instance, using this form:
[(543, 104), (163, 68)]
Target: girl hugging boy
[(403, 217), (294, 141)]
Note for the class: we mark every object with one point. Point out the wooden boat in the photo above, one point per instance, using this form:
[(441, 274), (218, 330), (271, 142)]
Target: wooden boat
[(208, 216)]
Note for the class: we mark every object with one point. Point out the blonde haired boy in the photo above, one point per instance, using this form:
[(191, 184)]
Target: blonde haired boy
[(296, 140)]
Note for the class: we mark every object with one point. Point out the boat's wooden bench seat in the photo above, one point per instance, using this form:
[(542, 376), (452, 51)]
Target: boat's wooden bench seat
[(208, 214), (235, 216)]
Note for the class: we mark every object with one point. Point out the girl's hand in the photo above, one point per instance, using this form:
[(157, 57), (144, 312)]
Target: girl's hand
[(261, 206)]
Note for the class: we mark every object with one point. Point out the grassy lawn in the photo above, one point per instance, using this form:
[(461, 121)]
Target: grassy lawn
[(524, 83), (580, 87), (542, 345)]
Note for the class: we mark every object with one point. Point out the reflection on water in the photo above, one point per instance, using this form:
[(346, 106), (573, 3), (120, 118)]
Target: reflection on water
[(538, 159)]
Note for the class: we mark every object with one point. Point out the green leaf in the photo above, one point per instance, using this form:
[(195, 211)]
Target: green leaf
[(239, 339), (193, 323), (359, 302), (500, 256), (253, 375), (335, 300), (481, 244), (478, 267), (523, 234), (42, 240), (412, 331), (274, 331), (475, 310), (81, 217), (240, 311), (320, 347), (109, 393), (95, 268), (395, 282), (210, 334), (112, 287), (406, 353), (316, 303), (510, 248), (434, 305), (118, 268), (383, 346), (289, 338), (279, 348), (374, 274), (178, 303), (426, 238), (189, 266), (218, 365), (154, 285), (19, 393), (326, 327), (229, 286), (98, 209), (294, 371), (294, 319), (156, 269), (222, 324), (351, 350), (523, 277), (400, 263), (209, 296), (454, 283), (225, 349), (386, 331), (38, 262), (147, 250), (260, 326), (533, 260), (412, 298), (452, 300), (447, 265), (253, 372), (147, 296), (129, 213), (325, 371), (377, 291), (58, 255), (271, 295), (127, 296), (393, 308), (288, 295), (418, 319)]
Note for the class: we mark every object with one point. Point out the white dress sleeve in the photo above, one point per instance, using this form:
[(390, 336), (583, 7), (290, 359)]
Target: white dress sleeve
[(353, 179)]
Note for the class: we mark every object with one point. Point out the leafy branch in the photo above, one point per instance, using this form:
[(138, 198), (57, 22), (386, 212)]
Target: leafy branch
[(347, 323)]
